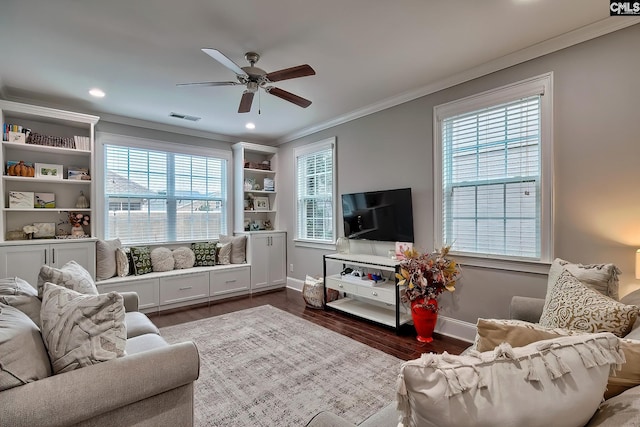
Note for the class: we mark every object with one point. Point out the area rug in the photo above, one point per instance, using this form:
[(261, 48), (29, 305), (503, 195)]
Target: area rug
[(265, 367)]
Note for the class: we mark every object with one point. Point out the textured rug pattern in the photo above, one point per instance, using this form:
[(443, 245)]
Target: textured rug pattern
[(265, 367)]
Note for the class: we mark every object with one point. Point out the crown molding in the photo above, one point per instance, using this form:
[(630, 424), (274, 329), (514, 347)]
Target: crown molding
[(588, 32)]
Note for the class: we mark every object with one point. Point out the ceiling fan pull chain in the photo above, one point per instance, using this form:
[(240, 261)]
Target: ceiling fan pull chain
[(259, 103)]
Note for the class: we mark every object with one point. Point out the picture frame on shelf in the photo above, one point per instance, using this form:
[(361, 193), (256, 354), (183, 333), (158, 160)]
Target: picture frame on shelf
[(21, 199), (44, 200), (45, 230), (78, 174), (261, 203), (49, 171)]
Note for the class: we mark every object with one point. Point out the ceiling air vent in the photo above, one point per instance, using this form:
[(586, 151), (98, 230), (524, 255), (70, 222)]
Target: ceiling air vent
[(185, 117)]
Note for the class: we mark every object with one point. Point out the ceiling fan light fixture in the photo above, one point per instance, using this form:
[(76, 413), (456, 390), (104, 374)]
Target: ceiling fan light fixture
[(250, 125), (98, 93)]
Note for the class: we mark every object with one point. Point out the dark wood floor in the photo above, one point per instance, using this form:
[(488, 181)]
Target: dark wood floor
[(405, 346)]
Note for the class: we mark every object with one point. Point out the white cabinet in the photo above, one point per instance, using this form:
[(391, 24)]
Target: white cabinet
[(25, 260), (148, 291), (53, 126), (268, 258), (229, 283), (255, 201)]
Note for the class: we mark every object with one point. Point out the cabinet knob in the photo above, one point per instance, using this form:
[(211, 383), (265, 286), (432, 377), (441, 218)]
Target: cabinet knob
[(374, 293), (340, 285)]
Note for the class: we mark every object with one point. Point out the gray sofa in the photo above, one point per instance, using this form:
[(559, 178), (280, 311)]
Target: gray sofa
[(622, 410), (151, 386)]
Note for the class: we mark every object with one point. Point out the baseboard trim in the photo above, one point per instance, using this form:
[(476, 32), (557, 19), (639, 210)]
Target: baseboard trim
[(295, 284)]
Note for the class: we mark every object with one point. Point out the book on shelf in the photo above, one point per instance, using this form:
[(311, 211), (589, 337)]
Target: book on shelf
[(82, 143), (268, 184)]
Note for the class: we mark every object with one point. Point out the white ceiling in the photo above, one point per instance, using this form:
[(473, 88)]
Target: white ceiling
[(366, 53)]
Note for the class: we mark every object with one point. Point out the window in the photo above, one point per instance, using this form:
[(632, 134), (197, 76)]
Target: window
[(153, 195), (315, 192), (493, 173)]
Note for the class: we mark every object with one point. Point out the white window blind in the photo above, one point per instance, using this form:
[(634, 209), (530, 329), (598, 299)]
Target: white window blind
[(315, 192), (491, 178), (156, 196)]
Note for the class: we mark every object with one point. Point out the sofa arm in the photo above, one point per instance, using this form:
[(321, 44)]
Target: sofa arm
[(75, 396), (526, 308), (131, 301)]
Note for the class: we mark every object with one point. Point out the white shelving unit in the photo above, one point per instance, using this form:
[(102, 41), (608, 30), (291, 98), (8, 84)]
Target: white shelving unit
[(59, 123), (244, 153), (377, 302)]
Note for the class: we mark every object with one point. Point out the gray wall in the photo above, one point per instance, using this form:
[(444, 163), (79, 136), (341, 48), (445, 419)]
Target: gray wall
[(597, 171)]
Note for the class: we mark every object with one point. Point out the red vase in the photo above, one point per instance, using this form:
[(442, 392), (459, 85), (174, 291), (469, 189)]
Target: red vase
[(424, 319)]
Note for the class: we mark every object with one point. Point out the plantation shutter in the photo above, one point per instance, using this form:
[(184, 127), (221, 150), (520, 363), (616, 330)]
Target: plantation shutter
[(315, 193), (491, 173)]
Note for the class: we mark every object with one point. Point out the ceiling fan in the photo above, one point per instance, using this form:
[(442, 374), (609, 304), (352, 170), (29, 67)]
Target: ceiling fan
[(254, 78)]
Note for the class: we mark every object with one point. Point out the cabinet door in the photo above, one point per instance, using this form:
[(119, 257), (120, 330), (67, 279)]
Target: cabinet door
[(259, 261), (278, 259), (23, 261), (82, 253)]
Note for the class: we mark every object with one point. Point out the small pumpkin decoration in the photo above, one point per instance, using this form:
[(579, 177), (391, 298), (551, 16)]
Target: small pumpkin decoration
[(21, 169)]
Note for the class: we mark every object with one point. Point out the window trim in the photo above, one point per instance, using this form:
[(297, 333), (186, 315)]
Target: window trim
[(542, 84), (301, 151), (105, 138)]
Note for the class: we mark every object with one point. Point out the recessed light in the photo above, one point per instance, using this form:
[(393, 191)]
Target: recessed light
[(98, 93), (250, 125)]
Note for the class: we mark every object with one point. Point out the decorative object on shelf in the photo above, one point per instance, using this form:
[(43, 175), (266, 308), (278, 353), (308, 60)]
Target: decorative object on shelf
[(18, 234), (29, 230), (21, 199), (249, 183), (17, 137), (268, 225), (342, 245), (20, 168), (257, 187), (265, 165), (78, 174), (44, 230), (82, 202), (247, 224), (426, 277), (248, 202), (48, 171), (77, 220), (255, 226), (261, 203), (44, 200), (269, 184)]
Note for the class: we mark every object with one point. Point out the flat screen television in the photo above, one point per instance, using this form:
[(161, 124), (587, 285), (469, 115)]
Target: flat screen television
[(385, 215)]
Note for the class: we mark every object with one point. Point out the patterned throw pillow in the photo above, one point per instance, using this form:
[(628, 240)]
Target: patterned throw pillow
[(141, 257), (517, 333), (570, 304), (81, 330), (205, 253), (71, 275), (599, 277), (122, 263), (510, 386), (224, 253)]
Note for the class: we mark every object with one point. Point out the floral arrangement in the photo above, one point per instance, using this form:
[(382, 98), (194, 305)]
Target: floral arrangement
[(427, 276), (80, 219)]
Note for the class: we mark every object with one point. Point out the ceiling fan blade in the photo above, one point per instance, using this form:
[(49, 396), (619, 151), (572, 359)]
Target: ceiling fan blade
[(288, 96), (245, 102), (221, 58), (291, 73), (209, 84)]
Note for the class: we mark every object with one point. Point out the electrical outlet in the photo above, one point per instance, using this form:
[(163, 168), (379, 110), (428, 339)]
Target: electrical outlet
[(291, 268)]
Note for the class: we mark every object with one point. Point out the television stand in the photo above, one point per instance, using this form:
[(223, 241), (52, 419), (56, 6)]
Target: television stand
[(377, 302)]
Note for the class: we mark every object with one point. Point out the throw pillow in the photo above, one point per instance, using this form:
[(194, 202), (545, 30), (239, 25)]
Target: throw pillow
[(184, 258), (238, 248), (570, 304), (24, 357), (224, 253), (205, 253), (106, 258), (493, 332), (141, 256), (81, 330), (556, 382), (599, 277), (71, 275), (122, 263), (162, 259)]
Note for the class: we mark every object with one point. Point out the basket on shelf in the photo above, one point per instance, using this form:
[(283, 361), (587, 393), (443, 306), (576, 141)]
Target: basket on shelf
[(50, 141), (265, 165)]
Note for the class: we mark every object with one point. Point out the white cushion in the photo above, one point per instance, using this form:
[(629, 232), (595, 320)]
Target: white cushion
[(106, 258), (162, 259), (558, 382), (599, 277), (183, 257)]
